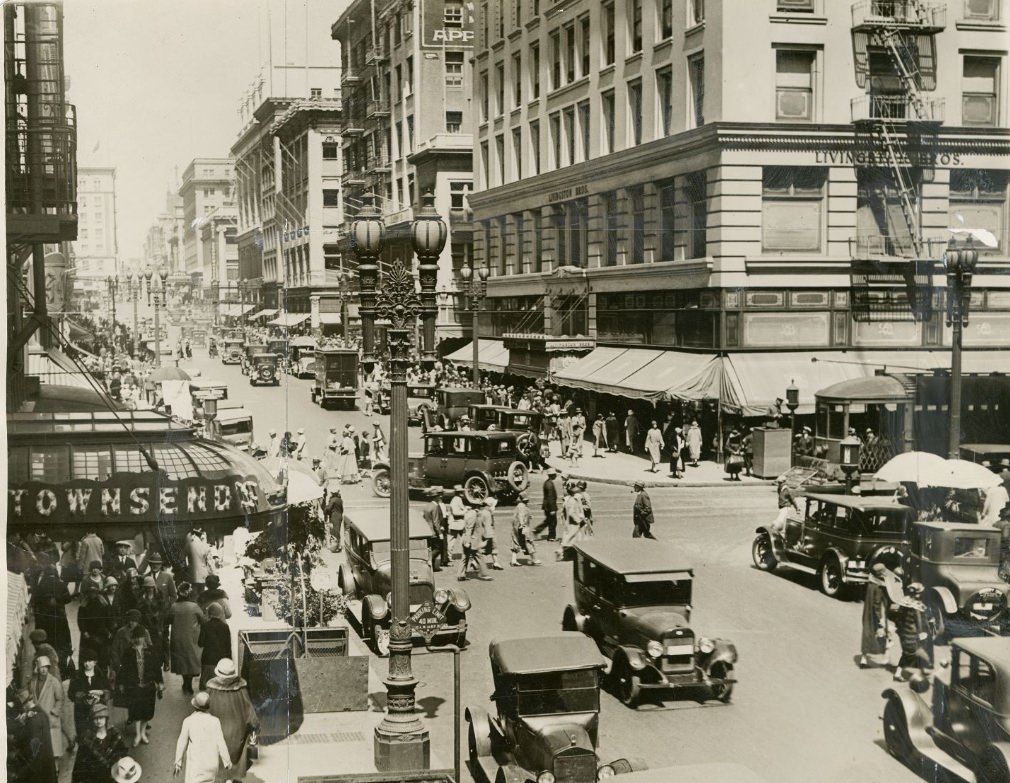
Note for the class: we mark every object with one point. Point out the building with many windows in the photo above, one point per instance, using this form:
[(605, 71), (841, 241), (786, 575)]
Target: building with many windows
[(209, 251), (406, 86), (691, 186), (96, 248)]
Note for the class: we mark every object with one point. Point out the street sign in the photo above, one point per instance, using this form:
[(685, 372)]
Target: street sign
[(426, 620)]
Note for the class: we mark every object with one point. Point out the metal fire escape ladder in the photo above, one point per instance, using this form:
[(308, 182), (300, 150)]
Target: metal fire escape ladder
[(906, 64), (887, 136)]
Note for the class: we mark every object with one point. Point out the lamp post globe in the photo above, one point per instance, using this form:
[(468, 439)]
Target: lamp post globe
[(849, 459)]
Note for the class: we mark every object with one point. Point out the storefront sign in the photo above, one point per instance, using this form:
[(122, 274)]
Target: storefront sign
[(795, 330), (135, 498), (567, 193), (873, 157)]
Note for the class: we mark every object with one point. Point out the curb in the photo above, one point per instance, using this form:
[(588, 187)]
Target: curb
[(674, 483)]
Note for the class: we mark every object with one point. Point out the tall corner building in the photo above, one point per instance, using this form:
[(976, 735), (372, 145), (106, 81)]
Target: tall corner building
[(671, 184), (406, 86)]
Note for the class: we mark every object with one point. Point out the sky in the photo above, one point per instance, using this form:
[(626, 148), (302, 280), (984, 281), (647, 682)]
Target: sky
[(157, 83)]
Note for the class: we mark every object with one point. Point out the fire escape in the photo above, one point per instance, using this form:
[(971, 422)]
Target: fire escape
[(896, 123), (41, 175)]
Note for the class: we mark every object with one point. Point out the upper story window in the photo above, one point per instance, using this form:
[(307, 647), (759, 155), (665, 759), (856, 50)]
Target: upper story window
[(666, 19), (609, 109), (635, 25), (585, 42), (609, 54), (696, 79), (454, 122), (517, 79), (452, 14), (794, 85), (664, 94), (570, 53), (635, 110), (408, 69), (979, 88), (555, 60), (982, 10), (978, 198), (485, 97), (534, 167), (331, 150), (499, 105), (696, 12), (316, 92), (457, 193), (792, 208), (454, 69)]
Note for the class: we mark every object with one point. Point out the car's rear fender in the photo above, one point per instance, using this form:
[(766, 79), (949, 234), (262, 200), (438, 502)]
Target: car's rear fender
[(481, 728), (376, 607), (945, 597), (917, 714)]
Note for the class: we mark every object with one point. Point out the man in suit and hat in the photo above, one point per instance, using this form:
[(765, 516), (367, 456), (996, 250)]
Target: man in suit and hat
[(549, 505), (457, 522), (122, 560), (804, 444), (432, 514), (642, 513)]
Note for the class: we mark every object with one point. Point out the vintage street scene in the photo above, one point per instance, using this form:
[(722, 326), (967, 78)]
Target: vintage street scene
[(507, 391)]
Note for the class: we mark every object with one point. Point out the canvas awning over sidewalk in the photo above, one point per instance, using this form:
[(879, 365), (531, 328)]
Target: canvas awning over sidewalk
[(492, 355), (644, 373)]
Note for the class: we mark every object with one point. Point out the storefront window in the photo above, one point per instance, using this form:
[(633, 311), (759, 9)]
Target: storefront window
[(92, 462), (50, 464)]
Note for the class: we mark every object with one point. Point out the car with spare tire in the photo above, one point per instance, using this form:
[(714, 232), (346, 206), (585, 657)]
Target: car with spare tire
[(483, 463)]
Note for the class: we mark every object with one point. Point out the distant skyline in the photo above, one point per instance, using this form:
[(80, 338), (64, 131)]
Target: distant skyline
[(157, 83)]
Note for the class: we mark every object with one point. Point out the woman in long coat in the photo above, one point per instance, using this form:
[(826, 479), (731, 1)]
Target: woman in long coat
[(694, 441), (88, 687), (230, 703), (186, 619), (215, 639), (201, 743), (876, 604), (47, 693), (140, 679), (654, 445), (101, 746)]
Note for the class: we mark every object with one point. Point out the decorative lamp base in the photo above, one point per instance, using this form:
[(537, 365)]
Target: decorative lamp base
[(402, 752)]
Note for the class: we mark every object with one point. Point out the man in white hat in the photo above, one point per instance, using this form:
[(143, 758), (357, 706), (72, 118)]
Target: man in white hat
[(300, 443), (122, 561), (201, 744), (274, 446), (126, 770)]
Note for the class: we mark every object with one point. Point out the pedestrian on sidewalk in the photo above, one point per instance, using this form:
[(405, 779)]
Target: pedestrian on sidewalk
[(457, 521), (578, 433), (654, 445), (912, 629), (671, 439), (47, 692), (301, 442), (378, 443), (199, 559), (694, 440), (88, 687), (139, 679), (99, 747), (432, 515), (214, 641), (574, 517), (348, 458), (274, 445), (186, 619), (485, 521), (201, 744), (631, 432), (747, 447), (734, 454), (549, 505), (642, 513), (230, 704), (600, 435), (522, 534), (214, 594), (582, 493), (876, 606), (612, 427), (472, 540)]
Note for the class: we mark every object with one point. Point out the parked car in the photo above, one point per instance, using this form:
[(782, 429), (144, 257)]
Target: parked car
[(485, 463), (248, 352), (336, 377), (233, 425), (959, 566), (547, 698), (420, 401), (993, 453), (838, 538), (451, 402), (529, 423), (232, 351), (263, 369), (958, 720), (365, 575), (633, 598)]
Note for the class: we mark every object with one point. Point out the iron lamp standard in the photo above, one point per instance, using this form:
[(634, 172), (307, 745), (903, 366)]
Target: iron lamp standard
[(792, 403), (402, 741), (135, 286), (113, 284), (959, 261), (160, 288), (849, 460), (475, 286)]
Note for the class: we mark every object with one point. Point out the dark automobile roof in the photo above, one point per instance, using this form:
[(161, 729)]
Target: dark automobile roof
[(545, 653), (635, 555), (264, 355), (957, 527), (490, 435), (860, 502), (374, 523)]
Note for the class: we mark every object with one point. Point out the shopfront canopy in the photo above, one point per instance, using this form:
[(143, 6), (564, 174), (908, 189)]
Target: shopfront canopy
[(234, 310), (289, 319), (329, 319), (261, 314), (55, 367), (491, 355), (644, 373)]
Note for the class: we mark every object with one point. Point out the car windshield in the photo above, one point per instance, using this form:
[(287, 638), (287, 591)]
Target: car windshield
[(656, 593), (519, 421), (972, 547), (882, 522), (236, 427), (558, 692), (420, 391), (418, 549)]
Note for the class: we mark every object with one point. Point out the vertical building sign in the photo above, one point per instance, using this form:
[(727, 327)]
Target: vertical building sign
[(447, 24)]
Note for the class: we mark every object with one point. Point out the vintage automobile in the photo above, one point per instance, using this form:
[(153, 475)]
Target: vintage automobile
[(420, 401), (485, 463), (365, 577), (248, 352), (263, 369), (838, 538), (451, 402), (336, 377), (303, 356), (234, 334), (232, 351), (959, 566), (959, 722), (547, 698), (507, 419), (232, 425), (991, 453), (633, 598)]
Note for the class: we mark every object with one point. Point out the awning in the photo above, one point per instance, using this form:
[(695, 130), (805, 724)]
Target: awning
[(261, 314), (329, 319), (79, 332), (289, 319), (491, 355), (56, 368), (752, 381), (644, 373), (233, 310)]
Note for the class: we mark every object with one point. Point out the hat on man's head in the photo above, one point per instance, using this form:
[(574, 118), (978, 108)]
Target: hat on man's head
[(149, 582), (155, 559), (807, 429), (133, 615), (551, 473), (638, 485), (87, 654), (125, 542), (272, 432), (490, 501), (433, 492), (212, 580), (126, 770), (139, 632), (38, 636)]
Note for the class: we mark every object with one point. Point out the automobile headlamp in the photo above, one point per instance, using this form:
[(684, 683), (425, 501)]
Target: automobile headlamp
[(389, 598), (441, 595), (545, 777), (654, 648), (705, 645), (606, 771), (460, 601)]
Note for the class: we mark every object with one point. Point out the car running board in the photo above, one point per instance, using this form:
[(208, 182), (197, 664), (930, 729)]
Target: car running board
[(943, 759)]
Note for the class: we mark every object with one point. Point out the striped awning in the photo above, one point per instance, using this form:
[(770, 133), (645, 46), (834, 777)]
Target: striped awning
[(289, 319), (233, 309), (56, 368), (261, 314)]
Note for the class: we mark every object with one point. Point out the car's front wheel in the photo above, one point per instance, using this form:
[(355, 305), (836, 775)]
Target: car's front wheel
[(935, 618), (381, 485), (627, 685), (475, 490), (763, 553), (832, 577), (896, 736), (723, 691)]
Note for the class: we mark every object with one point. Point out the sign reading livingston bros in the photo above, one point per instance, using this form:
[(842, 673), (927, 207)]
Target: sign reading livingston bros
[(135, 497)]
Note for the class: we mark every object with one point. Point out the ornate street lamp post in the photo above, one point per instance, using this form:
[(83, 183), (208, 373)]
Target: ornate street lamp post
[(792, 403), (134, 296), (475, 286), (960, 264), (849, 459), (401, 739), (160, 288), (113, 283)]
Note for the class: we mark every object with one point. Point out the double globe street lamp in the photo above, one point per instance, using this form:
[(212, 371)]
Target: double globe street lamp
[(959, 263), (401, 739), (475, 287), (159, 290)]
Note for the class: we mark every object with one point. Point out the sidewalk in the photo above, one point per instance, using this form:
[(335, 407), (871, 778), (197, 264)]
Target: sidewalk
[(625, 469)]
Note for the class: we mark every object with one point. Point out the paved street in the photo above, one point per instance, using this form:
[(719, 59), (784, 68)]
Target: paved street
[(801, 703)]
